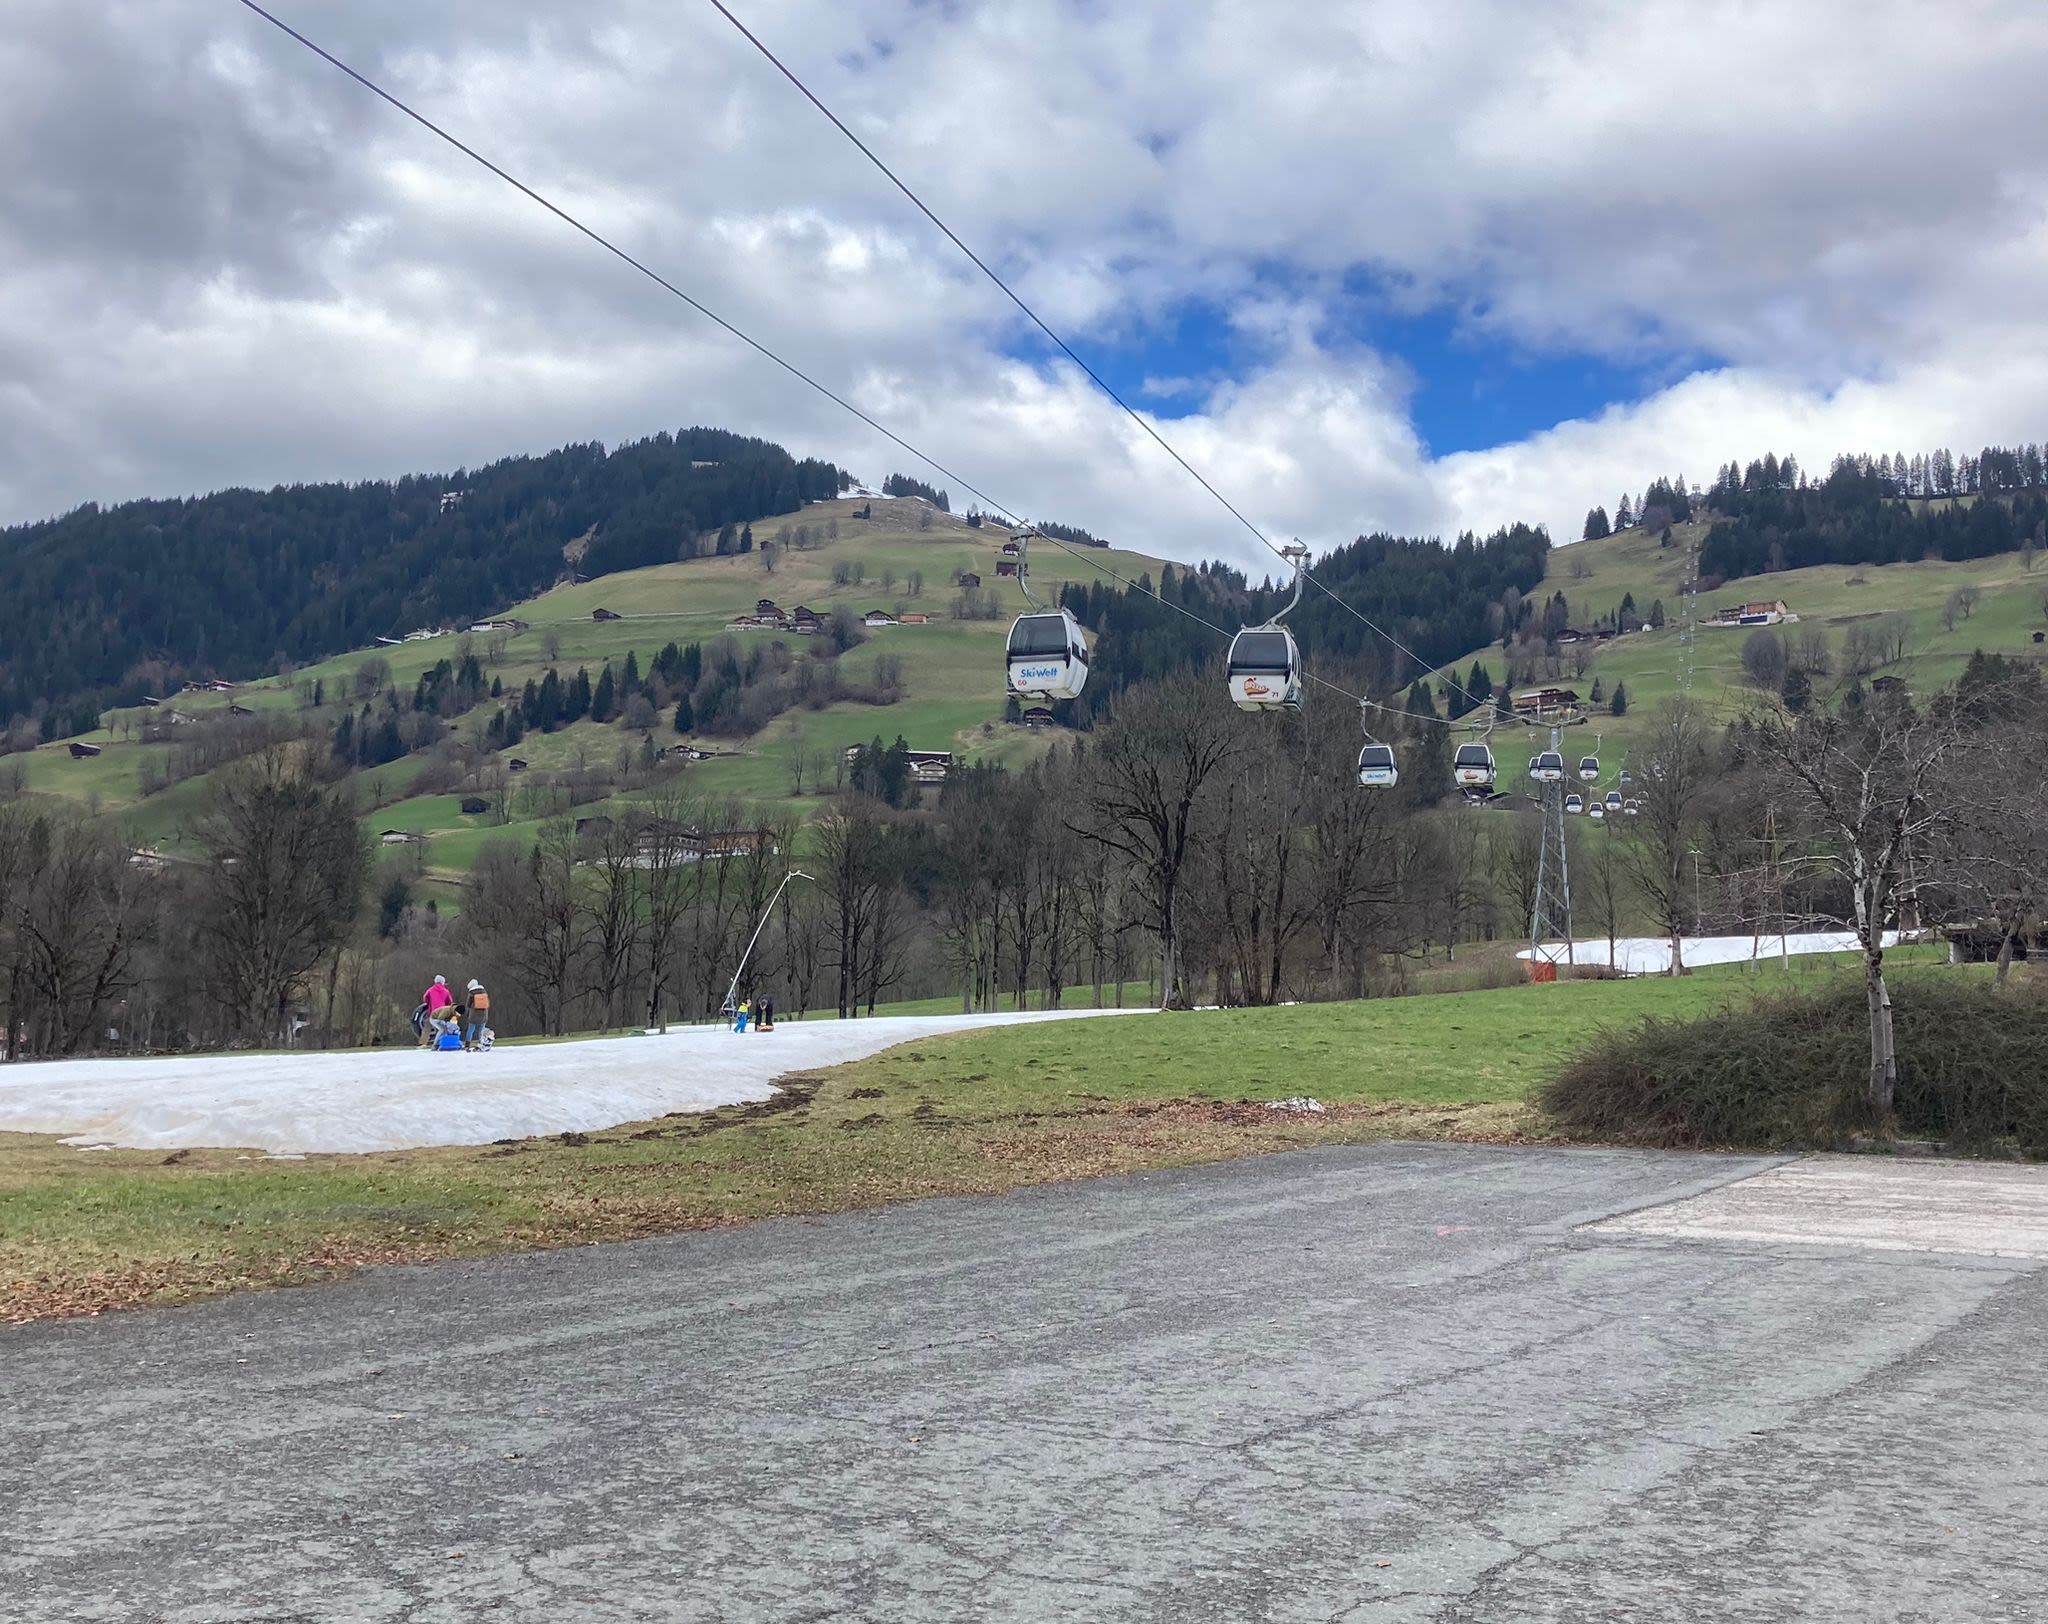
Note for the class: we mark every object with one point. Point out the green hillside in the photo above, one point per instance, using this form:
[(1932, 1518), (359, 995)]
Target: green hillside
[(906, 557), (1595, 576), (906, 554)]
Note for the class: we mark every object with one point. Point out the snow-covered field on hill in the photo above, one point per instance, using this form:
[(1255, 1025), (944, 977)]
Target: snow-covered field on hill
[(1651, 955), (395, 1099)]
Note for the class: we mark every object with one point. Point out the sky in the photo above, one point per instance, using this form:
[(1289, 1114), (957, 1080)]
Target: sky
[(1373, 265)]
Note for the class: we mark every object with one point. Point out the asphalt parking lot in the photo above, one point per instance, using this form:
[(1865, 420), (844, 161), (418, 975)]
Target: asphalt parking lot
[(1395, 1382)]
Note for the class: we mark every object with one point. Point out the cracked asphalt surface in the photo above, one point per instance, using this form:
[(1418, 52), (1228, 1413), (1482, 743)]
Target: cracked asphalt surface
[(1391, 1382)]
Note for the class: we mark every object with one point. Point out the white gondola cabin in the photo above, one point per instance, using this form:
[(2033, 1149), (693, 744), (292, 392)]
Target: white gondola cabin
[(1596, 810), (1473, 767), (1614, 800), (1547, 768), (1048, 656), (1574, 802), (1376, 767), (1265, 669), (1589, 768)]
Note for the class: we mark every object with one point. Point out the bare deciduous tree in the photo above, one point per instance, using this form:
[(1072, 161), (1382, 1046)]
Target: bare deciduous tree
[(286, 867), (1867, 784), (523, 905), (1677, 770), (1764, 659), (1148, 772), (1514, 858), (610, 883)]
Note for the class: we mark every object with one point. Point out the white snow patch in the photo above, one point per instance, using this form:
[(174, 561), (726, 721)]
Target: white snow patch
[(1651, 955), (398, 1099)]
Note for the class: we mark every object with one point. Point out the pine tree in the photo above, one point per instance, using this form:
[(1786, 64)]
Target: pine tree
[(576, 705), (1618, 705), (746, 538), (1596, 525), (605, 697), (629, 680), (686, 719), (1656, 614), (1622, 517)]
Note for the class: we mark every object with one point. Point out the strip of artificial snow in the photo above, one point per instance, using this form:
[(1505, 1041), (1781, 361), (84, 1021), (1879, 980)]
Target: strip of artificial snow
[(403, 1098), (1651, 955)]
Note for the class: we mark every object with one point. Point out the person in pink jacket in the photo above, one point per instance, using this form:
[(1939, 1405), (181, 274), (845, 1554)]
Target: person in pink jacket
[(440, 1004)]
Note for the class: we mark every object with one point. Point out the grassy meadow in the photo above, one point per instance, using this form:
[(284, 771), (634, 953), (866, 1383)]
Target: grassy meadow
[(977, 1112)]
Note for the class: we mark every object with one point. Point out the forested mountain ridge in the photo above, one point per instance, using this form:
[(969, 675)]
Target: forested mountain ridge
[(109, 604), (1860, 516)]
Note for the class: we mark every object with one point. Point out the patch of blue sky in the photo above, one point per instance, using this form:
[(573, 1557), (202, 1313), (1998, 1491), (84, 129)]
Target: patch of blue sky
[(1466, 388)]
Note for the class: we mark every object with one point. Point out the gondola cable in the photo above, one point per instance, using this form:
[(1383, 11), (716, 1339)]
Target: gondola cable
[(997, 508), (1064, 347)]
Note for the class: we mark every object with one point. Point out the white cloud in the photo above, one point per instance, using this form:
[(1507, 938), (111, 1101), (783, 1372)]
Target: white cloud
[(250, 271)]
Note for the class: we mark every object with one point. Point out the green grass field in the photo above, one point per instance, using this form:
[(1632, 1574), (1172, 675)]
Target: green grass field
[(972, 1113)]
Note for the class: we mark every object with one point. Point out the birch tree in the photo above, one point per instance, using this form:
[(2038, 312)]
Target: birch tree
[(1869, 784)]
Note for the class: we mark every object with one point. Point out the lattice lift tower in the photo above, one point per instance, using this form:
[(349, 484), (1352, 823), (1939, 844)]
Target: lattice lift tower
[(1550, 921)]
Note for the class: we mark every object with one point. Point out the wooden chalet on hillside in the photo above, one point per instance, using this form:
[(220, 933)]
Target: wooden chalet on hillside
[(1544, 703)]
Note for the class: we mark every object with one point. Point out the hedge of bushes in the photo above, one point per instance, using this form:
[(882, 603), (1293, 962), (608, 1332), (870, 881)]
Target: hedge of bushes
[(1789, 1071)]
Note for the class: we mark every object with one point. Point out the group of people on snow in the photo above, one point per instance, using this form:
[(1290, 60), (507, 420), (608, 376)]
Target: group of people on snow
[(439, 1014), (759, 1011)]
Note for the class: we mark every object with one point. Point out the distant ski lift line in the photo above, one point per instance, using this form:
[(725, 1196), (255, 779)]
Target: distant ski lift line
[(1065, 348), (999, 509)]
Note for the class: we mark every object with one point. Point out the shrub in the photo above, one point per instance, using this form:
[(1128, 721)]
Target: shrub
[(1788, 1071)]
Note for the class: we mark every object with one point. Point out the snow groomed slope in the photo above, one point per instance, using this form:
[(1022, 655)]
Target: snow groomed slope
[(402, 1099)]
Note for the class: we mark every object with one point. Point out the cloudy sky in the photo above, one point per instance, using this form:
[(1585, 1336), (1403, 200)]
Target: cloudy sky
[(1401, 264)]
